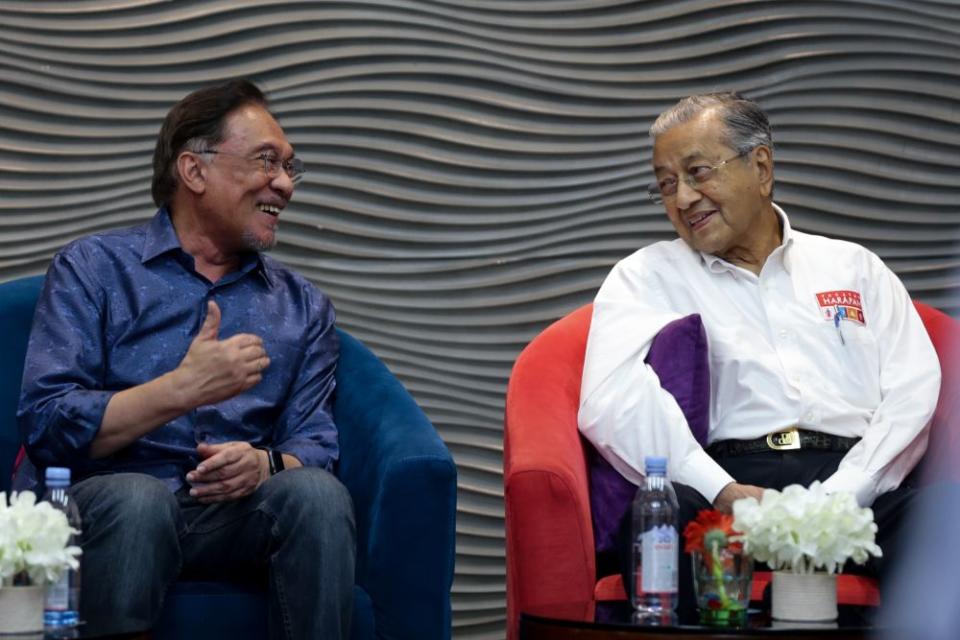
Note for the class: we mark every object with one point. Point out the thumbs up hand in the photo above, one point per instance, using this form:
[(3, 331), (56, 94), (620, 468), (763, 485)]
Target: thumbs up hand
[(213, 369), (211, 324)]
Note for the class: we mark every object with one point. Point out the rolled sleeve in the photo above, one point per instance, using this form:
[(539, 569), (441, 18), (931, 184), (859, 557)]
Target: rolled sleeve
[(62, 401)]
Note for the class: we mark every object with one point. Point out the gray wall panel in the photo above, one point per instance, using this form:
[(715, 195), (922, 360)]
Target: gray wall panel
[(476, 167)]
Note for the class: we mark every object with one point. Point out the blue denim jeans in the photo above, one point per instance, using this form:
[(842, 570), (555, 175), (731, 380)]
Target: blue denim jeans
[(295, 535)]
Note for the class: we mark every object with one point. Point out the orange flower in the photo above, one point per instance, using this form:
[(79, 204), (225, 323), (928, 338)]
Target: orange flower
[(712, 524)]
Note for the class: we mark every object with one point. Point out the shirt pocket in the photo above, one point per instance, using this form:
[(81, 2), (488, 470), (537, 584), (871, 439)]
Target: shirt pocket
[(852, 347)]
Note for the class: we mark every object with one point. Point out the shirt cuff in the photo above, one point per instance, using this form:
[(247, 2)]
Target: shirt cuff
[(700, 471), (79, 421), (854, 481)]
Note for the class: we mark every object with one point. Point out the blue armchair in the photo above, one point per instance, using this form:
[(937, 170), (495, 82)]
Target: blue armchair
[(402, 479)]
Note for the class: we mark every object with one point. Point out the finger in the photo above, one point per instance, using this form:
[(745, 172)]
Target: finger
[(213, 464), (208, 487), (205, 489), (235, 487), (228, 473), (208, 477), (207, 449), (256, 359), (250, 354), (218, 460), (252, 380), (211, 324), (244, 341)]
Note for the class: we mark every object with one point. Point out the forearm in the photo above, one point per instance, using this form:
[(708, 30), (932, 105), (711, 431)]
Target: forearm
[(213, 370), (290, 462), (631, 416), (135, 412)]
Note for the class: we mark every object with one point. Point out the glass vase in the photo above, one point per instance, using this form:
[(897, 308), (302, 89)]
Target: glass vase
[(722, 583)]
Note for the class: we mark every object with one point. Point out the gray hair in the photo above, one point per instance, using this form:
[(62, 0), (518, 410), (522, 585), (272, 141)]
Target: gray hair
[(746, 126)]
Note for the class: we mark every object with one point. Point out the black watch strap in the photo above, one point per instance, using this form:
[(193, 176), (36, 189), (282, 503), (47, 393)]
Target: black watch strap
[(275, 458)]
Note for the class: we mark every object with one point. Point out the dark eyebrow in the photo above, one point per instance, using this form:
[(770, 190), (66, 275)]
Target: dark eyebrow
[(265, 147)]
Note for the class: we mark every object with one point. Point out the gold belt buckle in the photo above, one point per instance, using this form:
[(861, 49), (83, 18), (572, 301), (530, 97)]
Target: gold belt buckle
[(784, 440)]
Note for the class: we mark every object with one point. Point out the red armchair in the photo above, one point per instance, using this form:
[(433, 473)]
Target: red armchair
[(549, 534)]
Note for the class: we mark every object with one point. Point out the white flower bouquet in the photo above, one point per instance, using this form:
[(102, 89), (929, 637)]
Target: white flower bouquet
[(806, 530), (34, 539)]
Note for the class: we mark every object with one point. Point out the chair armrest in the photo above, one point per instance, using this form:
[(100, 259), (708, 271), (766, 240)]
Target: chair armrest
[(403, 482), (18, 298), (549, 536), (943, 450)]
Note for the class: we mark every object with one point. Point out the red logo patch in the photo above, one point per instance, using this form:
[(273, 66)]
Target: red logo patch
[(845, 304)]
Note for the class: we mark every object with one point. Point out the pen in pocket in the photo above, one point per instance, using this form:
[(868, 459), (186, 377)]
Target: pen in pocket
[(836, 323)]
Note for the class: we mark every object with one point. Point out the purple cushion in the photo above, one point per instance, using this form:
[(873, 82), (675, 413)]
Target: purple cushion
[(679, 357)]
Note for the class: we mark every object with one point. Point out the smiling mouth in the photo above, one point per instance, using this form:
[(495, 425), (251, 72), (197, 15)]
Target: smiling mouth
[(698, 220), (270, 209)]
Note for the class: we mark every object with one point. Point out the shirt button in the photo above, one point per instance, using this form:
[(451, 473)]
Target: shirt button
[(784, 334), (809, 416)]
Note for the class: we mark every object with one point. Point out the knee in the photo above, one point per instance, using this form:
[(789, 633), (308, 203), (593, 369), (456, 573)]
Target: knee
[(309, 496), (132, 502)]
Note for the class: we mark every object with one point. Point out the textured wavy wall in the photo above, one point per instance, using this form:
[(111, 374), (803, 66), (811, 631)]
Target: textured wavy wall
[(476, 167)]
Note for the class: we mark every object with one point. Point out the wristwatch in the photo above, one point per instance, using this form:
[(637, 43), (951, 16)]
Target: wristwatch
[(275, 458)]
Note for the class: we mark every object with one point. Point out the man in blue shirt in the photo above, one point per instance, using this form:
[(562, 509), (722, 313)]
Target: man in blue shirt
[(187, 380)]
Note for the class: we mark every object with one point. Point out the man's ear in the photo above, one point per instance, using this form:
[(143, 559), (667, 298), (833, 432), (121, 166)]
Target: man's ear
[(763, 158), (191, 172)]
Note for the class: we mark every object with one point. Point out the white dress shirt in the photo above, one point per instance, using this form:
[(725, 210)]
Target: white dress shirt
[(778, 358)]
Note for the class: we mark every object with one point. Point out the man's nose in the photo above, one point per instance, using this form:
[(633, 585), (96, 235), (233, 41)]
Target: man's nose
[(284, 184), (686, 195)]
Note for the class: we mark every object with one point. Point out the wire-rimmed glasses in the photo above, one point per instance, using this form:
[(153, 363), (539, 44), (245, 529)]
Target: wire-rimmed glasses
[(272, 165), (697, 176)]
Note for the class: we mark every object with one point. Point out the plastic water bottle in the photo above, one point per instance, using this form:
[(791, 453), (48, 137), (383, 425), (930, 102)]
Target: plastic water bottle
[(61, 614), (656, 543)]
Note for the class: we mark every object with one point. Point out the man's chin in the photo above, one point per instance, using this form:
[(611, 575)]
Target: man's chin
[(259, 243), (697, 244)]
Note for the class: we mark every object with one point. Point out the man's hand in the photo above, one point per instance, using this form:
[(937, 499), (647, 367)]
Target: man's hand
[(229, 470), (213, 369), (733, 492)]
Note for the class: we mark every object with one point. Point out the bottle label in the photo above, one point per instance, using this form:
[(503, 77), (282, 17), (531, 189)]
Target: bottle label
[(660, 557), (58, 594)]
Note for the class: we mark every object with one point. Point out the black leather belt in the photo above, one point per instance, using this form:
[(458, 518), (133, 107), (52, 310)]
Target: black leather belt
[(787, 440)]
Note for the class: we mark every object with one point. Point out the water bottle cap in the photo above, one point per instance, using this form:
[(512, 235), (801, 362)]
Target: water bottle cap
[(655, 465), (59, 476)]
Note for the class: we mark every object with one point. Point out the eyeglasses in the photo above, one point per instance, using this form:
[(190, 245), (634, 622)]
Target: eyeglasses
[(696, 176), (271, 164)]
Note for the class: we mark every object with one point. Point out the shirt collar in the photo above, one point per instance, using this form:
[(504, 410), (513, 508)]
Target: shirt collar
[(162, 238), (717, 264)]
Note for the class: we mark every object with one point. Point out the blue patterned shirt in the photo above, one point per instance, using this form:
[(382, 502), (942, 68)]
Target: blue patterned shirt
[(121, 308)]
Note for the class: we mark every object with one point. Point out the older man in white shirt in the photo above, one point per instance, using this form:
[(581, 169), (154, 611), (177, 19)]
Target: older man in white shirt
[(813, 342)]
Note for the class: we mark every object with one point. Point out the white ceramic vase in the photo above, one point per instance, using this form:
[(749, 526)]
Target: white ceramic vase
[(21, 609), (804, 597)]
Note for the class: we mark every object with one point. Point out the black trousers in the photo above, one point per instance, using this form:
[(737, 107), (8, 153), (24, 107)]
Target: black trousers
[(776, 470)]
